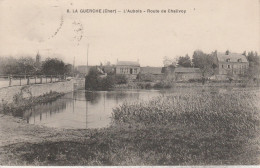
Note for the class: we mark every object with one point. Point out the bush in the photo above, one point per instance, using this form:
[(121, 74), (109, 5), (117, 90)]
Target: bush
[(163, 84), (94, 81), (120, 79)]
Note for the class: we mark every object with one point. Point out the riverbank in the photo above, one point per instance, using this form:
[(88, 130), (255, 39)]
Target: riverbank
[(20, 104), (166, 85), (223, 131)]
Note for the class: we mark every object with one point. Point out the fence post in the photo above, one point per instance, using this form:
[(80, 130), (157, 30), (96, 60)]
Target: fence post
[(41, 79), (28, 80), (10, 80)]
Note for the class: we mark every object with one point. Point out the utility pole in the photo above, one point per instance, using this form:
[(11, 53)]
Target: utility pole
[(74, 66), (87, 55)]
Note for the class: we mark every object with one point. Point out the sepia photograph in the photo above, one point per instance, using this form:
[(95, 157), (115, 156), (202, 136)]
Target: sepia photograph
[(130, 83)]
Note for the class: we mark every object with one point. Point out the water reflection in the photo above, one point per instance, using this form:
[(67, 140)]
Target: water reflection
[(82, 109)]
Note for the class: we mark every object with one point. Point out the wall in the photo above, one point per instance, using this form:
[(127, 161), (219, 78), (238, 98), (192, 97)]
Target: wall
[(187, 76), (7, 93)]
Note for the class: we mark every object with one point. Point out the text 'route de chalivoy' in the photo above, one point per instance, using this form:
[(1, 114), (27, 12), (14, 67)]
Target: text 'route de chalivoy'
[(127, 11)]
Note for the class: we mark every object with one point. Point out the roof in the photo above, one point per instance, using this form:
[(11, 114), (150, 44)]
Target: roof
[(151, 70), (222, 57), (187, 70), (127, 63)]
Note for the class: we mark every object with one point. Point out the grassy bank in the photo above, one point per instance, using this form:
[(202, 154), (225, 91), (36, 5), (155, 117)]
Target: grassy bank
[(189, 129), (20, 104)]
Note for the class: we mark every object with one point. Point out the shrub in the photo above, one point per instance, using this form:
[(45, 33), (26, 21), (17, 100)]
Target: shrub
[(120, 79), (163, 84)]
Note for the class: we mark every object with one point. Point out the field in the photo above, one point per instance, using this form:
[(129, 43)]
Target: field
[(181, 129)]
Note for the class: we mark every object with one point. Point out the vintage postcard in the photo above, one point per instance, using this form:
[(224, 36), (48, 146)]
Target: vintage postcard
[(129, 83)]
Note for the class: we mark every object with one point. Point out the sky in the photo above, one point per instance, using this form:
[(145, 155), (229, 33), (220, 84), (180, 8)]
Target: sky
[(29, 26)]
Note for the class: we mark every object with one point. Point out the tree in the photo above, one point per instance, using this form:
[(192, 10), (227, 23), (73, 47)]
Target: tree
[(184, 61), (205, 62), (93, 81), (168, 61), (254, 65), (53, 66), (68, 69), (10, 65), (227, 52), (26, 65)]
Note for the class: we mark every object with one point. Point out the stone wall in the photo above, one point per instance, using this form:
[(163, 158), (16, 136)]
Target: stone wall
[(7, 93)]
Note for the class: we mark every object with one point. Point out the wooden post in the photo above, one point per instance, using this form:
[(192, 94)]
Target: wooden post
[(41, 79), (10, 80), (28, 80)]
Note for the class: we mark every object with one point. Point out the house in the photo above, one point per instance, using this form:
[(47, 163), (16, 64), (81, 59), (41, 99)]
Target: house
[(128, 68), (185, 74), (151, 73), (230, 65)]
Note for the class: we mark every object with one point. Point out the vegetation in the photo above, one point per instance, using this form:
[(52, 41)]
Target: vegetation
[(94, 81), (194, 129), (28, 66), (205, 62), (186, 129), (54, 66), (20, 104), (184, 61), (120, 79), (254, 65)]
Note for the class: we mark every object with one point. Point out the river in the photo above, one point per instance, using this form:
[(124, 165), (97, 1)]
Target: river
[(82, 109)]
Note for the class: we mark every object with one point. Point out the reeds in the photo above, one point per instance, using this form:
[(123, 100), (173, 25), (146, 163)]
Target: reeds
[(232, 112)]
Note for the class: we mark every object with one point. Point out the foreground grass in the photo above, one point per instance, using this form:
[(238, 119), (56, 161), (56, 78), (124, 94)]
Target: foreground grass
[(190, 129)]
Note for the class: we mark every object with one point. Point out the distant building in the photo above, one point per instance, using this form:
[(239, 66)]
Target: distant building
[(185, 74), (38, 61), (232, 65), (151, 73), (127, 68)]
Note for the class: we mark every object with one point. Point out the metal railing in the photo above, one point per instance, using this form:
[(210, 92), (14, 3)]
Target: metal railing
[(20, 80)]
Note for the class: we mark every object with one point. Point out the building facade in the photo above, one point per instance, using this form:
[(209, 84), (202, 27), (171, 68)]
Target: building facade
[(231, 65), (151, 74), (185, 74), (127, 68)]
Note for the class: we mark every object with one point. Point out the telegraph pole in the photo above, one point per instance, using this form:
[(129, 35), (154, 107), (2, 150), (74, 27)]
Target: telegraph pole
[(87, 55), (74, 66)]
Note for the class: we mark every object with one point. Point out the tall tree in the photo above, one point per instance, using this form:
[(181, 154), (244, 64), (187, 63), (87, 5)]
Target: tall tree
[(184, 61), (254, 64), (26, 65), (205, 62), (53, 66)]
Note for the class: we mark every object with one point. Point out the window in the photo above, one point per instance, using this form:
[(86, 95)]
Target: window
[(121, 70), (228, 66), (222, 66), (239, 60), (228, 60)]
